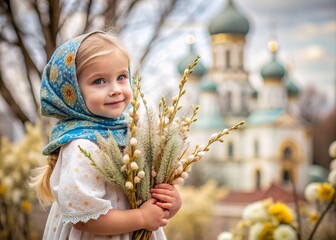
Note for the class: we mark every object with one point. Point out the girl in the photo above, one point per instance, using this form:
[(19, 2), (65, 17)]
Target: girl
[(86, 85)]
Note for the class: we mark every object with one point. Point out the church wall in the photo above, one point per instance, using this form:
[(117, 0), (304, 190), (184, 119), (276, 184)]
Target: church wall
[(265, 137)]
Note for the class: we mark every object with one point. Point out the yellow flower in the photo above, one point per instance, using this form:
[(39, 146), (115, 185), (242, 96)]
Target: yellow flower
[(281, 212), (325, 192), (70, 59), (267, 232), (26, 206), (69, 94), (313, 216), (3, 190)]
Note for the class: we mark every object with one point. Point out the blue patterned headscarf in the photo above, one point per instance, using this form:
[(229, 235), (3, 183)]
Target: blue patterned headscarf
[(61, 98)]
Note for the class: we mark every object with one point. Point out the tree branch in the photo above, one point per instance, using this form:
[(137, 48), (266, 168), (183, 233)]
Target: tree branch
[(121, 18), (20, 43), (27, 59), (49, 46), (14, 106), (87, 23), (110, 12), (163, 17), (54, 15)]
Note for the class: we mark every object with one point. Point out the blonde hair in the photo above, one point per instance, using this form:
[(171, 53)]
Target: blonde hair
[(40, 180), (97, 45), (94, 46)]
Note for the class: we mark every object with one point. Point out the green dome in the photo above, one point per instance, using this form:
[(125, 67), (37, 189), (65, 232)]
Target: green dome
[(292, 89), (273, 70), (208, 86), (229, 20), (199, 69)]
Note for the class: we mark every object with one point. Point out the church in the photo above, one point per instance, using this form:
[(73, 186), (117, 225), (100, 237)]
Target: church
[(273, 146)]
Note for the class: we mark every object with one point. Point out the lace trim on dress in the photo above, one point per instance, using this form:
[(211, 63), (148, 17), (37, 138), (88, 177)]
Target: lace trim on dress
[(86, 216)]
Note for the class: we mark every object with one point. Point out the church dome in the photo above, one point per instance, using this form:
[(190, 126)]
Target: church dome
[(273, 69), (229, 20), (208, 86), (199, 69), (292, 89)]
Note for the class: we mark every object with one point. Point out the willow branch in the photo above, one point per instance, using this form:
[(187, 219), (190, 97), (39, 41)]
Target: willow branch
[(322, 216)]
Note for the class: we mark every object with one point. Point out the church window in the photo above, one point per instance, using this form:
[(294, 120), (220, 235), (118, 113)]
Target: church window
[(258, 179), (215, 59), (256, 148), (241, 59), (243, 100), (230, 149), (227, 58), (287, 153), (286, 176), (229, 101)]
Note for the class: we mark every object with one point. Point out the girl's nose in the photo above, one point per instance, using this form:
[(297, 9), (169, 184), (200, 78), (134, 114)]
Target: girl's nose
[(114, 90)]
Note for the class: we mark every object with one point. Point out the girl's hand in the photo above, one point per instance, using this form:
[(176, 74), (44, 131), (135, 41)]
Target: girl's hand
[(168, 198), (153, 216)]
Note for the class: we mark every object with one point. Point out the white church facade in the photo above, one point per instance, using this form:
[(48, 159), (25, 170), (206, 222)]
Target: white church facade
[(274, 145)]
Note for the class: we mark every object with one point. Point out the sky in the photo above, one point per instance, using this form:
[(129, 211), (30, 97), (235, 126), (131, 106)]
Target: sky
[(304, 29)]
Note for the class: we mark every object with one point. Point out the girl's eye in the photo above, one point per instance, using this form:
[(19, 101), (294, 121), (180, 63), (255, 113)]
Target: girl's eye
[(98, 81), (121, 77)]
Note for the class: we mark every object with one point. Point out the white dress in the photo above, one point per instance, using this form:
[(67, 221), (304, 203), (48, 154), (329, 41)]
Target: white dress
[(81, 194)]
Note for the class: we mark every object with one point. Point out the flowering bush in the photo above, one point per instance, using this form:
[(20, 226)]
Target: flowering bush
[(16, 160), (266, 220)]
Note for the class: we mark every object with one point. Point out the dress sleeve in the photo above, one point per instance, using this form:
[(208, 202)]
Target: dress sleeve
[(81, 189)]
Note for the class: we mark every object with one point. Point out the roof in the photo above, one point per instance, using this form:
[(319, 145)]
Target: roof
[(210, 122), (292, 89), (275, 191), (229, 20), (273, 70), (265, 116)]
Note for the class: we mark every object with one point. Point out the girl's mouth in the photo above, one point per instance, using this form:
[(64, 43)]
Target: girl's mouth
[(113, 103)]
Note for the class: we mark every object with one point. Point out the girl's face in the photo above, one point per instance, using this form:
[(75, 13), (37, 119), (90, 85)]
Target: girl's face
[(105, 84)]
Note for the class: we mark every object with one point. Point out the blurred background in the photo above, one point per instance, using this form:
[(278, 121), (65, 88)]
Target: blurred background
[(270, 63)]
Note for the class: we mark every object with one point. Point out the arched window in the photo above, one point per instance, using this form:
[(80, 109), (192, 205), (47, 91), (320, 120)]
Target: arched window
[(258, 179), (286, 176), (230, 150), (287, 153)]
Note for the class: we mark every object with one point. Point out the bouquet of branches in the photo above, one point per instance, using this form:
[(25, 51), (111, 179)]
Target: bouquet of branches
[(157, 151)]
